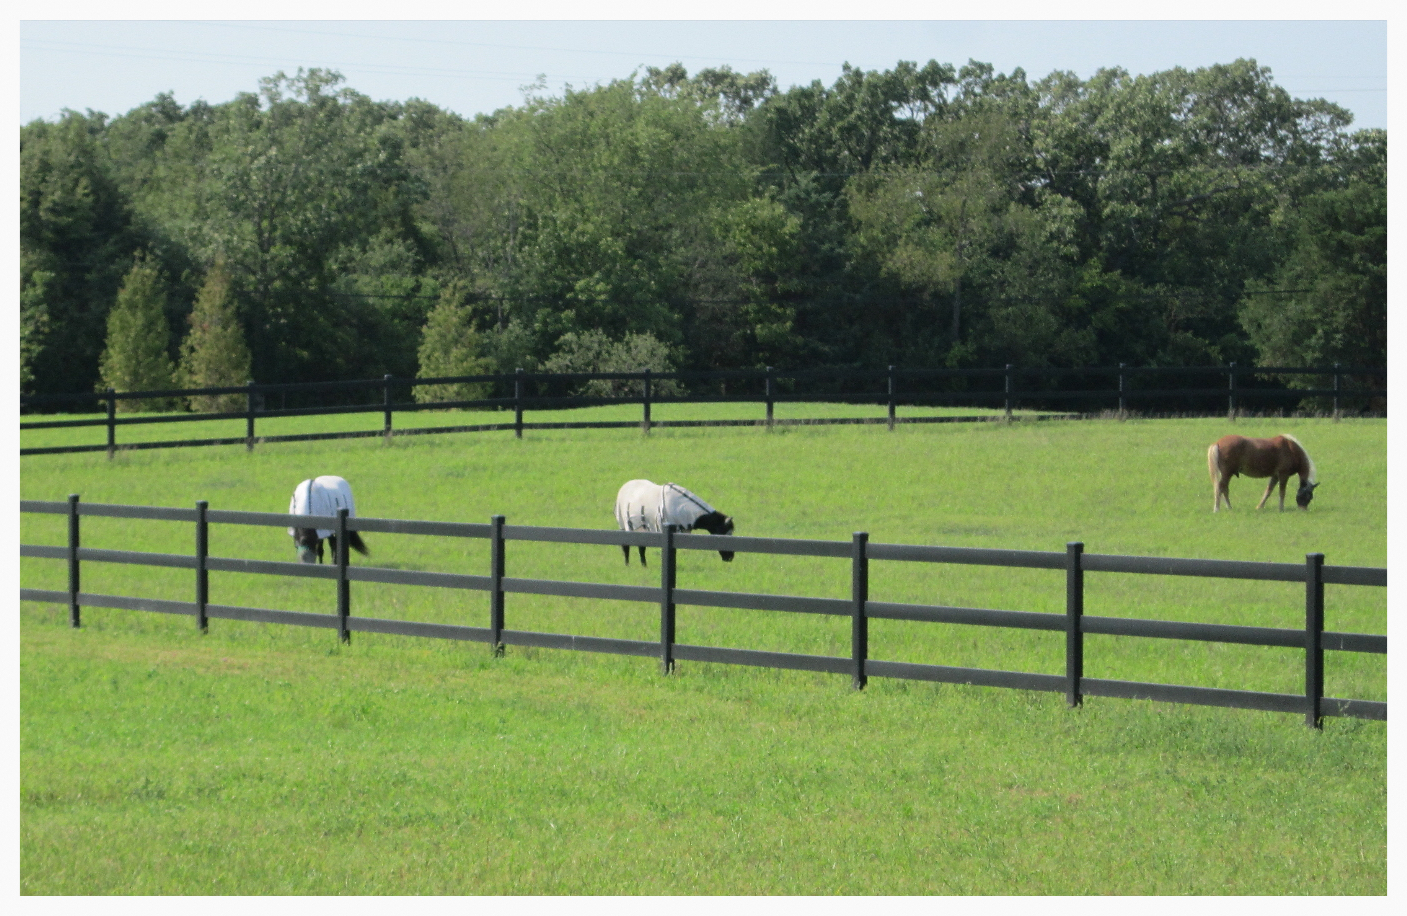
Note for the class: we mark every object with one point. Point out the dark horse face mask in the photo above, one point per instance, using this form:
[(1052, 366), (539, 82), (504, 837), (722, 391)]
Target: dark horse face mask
[(1304, 495)]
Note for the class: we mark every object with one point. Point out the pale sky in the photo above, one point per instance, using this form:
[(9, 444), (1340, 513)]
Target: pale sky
[(470, 66)]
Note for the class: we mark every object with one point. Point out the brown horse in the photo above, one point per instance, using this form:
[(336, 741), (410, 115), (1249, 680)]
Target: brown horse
[(1275, 458)]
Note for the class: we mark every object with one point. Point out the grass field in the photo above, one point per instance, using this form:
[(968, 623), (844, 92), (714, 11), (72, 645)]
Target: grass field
[(269, 759)]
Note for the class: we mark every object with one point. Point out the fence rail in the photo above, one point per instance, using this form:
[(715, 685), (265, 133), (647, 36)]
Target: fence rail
[(1074, 624), (1010, 387)]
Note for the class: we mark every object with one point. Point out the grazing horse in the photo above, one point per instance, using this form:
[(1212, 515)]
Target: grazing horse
[(322, 496), (1275, 458), (645, 506)]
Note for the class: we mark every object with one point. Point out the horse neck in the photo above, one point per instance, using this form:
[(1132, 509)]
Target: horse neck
[(1306, 464)]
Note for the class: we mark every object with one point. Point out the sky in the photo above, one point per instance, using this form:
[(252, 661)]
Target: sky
[(472, 66)]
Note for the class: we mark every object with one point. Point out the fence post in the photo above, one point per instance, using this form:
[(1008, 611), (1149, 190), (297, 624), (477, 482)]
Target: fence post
[(344, 587), (518, 403), (1008, 391), (645, 418), (1336, 392), (667, 581), (859, 596), (74, 616), (111, 422), (202, 574), (496, 585), (1313, 638), (1231, 392), (891, 399), (386, 403), (768, 396), (249, 418), (1123, 409), (1074, 633)]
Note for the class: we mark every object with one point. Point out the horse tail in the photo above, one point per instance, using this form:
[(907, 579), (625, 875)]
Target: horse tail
[(1214, 464), (354, 541), (1304, 457)]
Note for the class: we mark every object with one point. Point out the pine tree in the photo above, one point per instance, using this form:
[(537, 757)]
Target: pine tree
[(214, 353), (135, 358), (449, 345)]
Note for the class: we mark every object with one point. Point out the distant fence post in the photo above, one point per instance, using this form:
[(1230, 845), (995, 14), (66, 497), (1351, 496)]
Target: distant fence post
[(202, 574), (859, 596), (1123, 408), (74, 616), (1008, 391), (645, 417), (518, 402), (768, 397), (667, 581), (111, 422), (386, 404), (344, 587), (1336, 392), (891, 398), (1231, 392), (249, 418), (1074, 633), (1313, 638), (496, 567)]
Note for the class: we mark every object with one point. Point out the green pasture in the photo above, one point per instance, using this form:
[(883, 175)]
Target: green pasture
[(265, 759)]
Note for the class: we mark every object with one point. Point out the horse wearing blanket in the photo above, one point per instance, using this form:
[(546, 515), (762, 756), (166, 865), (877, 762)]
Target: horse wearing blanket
[(1275, 458), (642, 505), (322, 496)]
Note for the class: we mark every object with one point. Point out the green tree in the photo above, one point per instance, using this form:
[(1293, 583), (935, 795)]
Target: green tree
[(138, 336), (77, 239), (1328, 301), (451, 346), (214, 353), (593, 351), (615, 227), (294, 186), (34, 321)]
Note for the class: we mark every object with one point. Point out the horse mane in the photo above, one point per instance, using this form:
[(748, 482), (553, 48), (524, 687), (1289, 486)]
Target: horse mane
[(1303, 454)]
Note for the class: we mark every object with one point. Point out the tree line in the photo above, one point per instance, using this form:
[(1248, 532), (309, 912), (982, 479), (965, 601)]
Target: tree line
[(924, 216)]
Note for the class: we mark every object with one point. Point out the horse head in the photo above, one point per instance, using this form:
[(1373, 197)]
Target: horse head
[(1305, 494), (308, 545), (717, 523)]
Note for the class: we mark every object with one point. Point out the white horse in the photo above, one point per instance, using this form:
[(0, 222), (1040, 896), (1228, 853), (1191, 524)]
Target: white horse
[(642, 505), (322, 496)]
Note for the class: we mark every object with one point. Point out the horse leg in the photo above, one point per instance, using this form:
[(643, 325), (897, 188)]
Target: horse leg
[(642, 554), (625, 549), (1268, 490), (1283, 480)]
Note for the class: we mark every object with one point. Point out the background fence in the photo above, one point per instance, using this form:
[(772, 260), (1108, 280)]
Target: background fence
[(1074, 624), (1204, 390)]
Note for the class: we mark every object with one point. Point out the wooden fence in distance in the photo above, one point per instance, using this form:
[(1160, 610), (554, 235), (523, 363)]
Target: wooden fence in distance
[(1006, 388), (1074, 623)]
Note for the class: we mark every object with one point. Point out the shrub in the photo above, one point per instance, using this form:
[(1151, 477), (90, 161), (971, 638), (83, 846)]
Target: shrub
[(214, 353), (449, 345)]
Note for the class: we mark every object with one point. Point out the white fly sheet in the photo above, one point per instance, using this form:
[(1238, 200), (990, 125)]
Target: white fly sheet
[(322, 496), (642, 505)]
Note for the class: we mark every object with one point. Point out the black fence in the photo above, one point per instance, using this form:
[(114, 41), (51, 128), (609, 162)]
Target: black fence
[(1074, 624), (1124, 389)]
